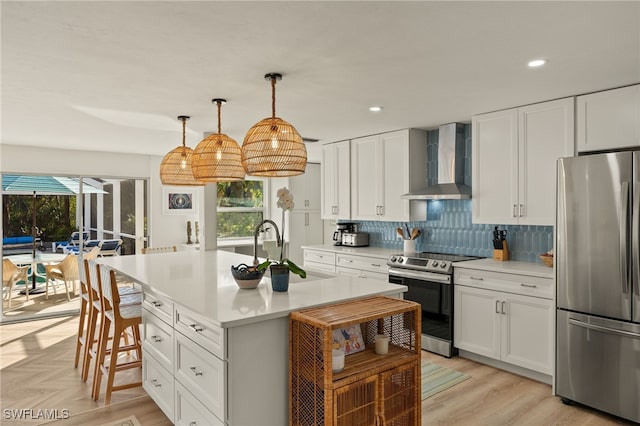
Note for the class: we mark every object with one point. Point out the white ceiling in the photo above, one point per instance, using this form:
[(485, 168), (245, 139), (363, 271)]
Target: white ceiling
[(113, 76)]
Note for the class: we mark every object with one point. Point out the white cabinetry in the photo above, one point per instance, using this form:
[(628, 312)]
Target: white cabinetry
[(320, 261), (383, 167), (362, 266), (507, 317), (306, 188), (514, 162), (609, 119), (304, 223), (335, 172)]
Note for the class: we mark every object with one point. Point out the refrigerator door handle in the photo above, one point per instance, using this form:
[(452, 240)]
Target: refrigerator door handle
[(624, 235), (604, 329), (635, 231)]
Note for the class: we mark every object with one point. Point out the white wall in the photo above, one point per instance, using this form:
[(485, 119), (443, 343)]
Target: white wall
[(164, 229)]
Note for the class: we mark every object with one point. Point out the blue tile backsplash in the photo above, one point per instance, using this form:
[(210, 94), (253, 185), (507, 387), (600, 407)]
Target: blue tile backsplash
[(448, 228)]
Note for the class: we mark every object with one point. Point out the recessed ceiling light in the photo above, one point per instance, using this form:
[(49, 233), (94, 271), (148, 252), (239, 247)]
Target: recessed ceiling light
[(375, 108), (536, 63)]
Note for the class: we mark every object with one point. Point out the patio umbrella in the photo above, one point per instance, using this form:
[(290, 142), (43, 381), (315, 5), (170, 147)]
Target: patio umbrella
[(43, 185)]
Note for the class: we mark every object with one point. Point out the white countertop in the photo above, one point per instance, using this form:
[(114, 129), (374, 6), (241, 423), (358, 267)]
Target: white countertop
[(511, 266), (379, 252), (202, 282)]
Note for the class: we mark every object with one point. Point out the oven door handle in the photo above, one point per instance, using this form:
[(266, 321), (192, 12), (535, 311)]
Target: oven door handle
[(422, 276)]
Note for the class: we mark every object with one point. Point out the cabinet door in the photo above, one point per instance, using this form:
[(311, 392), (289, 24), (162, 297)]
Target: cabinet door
[(395, 176), (366, 175), (527, 330), (545, 134), (329, 179), (336, 183), (495, 167), (477, 321), (306, 188), (305, 227), (356, 403), (609, 120)]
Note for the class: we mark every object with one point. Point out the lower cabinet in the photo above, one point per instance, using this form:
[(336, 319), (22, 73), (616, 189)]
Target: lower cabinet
[(346, 264), (183, 365), (514, 328)]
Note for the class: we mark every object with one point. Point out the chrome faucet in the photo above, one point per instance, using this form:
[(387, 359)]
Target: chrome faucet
[(255, 239)]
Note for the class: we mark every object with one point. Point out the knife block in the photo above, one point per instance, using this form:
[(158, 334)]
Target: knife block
[(501, 254)]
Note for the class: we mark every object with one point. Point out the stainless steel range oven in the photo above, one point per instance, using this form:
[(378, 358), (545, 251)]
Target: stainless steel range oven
[(429, 278)]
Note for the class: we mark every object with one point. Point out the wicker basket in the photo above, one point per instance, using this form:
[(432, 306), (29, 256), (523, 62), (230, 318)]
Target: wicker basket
[(547, 260)]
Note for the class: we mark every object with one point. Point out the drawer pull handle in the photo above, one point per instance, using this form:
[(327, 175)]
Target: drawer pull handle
[(156, 339), (195, 371), (156, 303), (195, 327), (377, 265), (477, 278), (155, 383), (529, 285), (193, 423), (348, 261)]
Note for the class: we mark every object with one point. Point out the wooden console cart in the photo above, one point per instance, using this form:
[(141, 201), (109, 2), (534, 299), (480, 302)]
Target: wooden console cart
[(372, 389)]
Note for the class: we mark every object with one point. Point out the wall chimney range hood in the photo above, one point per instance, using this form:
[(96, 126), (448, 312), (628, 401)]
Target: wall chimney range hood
[(450, 184)]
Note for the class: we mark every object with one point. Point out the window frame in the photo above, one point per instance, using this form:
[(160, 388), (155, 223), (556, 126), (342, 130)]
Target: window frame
[(265, 209)]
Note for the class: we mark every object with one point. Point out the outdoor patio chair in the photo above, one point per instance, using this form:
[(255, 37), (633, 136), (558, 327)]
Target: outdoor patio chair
[(110, 247), (74, 240), (11, 274), (66, 271), (151, 250)]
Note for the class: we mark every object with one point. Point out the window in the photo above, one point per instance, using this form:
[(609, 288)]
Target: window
[(241, 206)]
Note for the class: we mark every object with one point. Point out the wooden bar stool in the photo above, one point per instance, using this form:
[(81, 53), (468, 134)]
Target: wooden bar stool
[(129, 296), (120, 317), (84, 302)]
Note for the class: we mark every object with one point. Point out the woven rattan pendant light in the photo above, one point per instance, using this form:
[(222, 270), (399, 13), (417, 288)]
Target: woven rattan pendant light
[(273, 147), (175, 168), (217, 157)]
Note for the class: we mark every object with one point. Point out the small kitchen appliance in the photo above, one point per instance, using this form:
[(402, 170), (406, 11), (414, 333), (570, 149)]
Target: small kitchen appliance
[(343, 228), (355, 239), (429, 278)]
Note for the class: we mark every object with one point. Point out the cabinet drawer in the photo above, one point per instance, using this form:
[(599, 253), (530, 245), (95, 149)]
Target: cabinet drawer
[(158, 306), (191, 412), (316, 256), (158, 383), (202, 372), (320, 267), (512, 283), (372, 264), (208, 335), (157, 339)]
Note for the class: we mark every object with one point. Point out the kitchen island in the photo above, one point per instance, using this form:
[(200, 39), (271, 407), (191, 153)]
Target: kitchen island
[(213, 353)]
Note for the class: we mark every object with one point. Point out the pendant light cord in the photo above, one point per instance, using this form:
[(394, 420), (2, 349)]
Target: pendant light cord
[(184, 125), (273, 97), (219, 107)]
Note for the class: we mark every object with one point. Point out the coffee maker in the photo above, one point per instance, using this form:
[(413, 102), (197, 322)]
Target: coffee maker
[(343, 228)]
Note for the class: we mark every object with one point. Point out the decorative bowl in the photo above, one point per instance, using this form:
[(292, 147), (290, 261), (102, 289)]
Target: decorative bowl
[(247, 277), (547, 259)]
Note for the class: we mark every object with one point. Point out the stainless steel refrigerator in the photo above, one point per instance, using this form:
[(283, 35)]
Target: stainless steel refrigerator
[(598, 275)]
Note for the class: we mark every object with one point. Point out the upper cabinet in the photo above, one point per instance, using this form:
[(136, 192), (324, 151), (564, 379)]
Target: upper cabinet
[(336, 186), (609, 120), (306, 188), (514, 154), (383, 167)]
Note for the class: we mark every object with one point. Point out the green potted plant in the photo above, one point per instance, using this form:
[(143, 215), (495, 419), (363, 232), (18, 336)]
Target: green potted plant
[(280, 268)]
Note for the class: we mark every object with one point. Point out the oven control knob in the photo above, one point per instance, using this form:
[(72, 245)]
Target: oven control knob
[(443, 264), (393, 259), (434, 263)]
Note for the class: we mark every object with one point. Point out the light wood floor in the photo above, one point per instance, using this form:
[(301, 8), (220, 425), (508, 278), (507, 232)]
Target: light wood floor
[(36, 371)]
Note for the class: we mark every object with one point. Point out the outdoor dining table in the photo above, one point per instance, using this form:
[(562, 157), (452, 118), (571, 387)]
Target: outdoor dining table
[(33, 261)]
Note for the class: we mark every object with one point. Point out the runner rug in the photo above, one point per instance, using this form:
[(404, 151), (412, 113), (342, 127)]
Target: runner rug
[(436, 378)]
